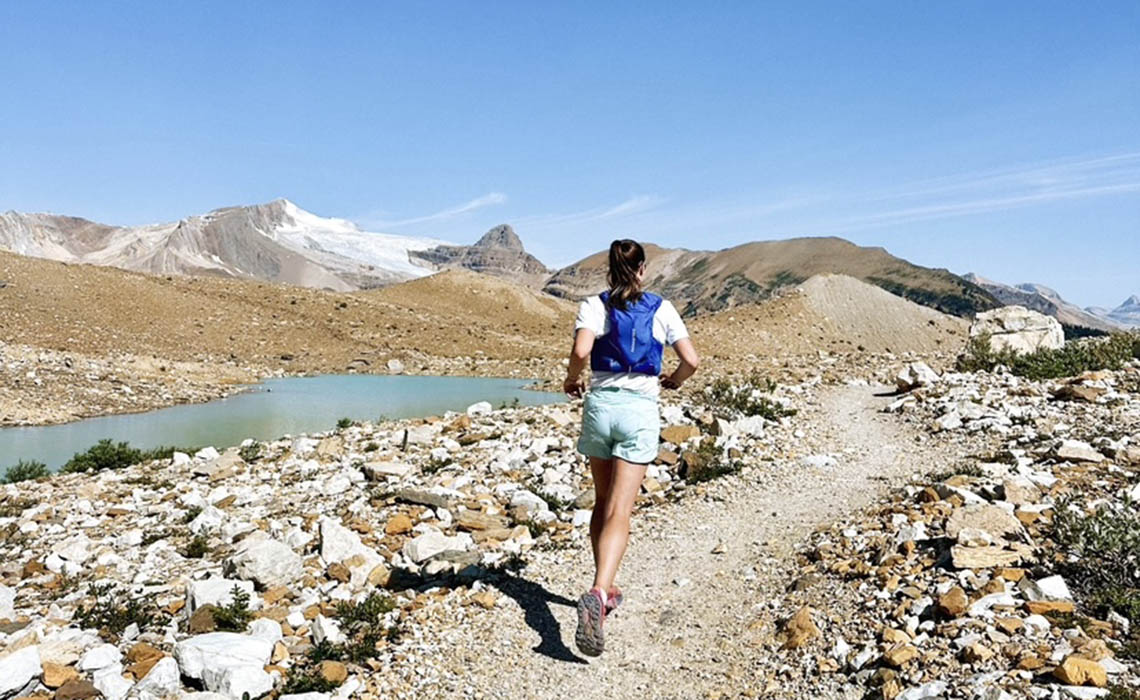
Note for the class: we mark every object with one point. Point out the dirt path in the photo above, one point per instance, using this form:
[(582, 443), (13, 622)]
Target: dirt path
[(683, 631)]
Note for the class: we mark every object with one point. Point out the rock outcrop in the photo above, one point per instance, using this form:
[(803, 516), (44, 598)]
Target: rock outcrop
[(1019, 330), (499, 252)]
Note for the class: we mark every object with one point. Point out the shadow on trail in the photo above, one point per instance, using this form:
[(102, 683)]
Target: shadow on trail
[(535, 601), (532, 597)]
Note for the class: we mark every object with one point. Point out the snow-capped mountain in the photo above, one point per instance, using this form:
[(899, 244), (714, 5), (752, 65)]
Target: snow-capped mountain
[(1127, 314), (278, 241)]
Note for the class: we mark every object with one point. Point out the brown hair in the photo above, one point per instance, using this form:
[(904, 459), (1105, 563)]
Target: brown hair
[(626, 259)]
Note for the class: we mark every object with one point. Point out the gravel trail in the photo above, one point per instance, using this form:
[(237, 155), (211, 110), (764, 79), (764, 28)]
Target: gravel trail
[(692, 576)]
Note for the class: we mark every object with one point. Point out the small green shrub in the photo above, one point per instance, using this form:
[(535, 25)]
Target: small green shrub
[(234, 617), (104, 455), (344, 423), (1102, 554), (164, 452), (197, 547), (111, 615), (307, 680), (250, 453), (367, 611), (1075, 357), (371, 447), (708, 462), (749, 397), (191, 513), (25, 471)]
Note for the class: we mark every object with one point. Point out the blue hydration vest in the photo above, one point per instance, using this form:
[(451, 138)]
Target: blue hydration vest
[(629, 345)]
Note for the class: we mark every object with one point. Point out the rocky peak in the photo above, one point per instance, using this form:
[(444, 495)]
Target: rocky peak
[(502, 237), (1133, 300)]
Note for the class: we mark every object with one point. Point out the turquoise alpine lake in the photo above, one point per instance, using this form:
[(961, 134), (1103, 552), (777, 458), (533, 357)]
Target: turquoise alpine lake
[(269, 410)]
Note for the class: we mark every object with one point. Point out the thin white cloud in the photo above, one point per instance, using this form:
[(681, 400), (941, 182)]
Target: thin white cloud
[(637, 204), (487, 200)]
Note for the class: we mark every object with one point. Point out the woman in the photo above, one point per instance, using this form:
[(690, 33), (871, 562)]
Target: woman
[(623, 332)]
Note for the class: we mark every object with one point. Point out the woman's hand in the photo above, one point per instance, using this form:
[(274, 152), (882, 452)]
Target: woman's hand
[(669, 383), (573, 386)]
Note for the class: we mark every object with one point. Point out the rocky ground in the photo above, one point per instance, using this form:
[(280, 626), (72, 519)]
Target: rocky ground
[(872, 544)]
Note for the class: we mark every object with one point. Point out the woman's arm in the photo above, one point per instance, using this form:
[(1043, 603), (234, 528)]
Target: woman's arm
[(689, 363), (583, 344)]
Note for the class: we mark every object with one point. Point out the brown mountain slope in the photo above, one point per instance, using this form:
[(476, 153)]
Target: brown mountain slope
[(711, 281), (828, 312), (102, 310)]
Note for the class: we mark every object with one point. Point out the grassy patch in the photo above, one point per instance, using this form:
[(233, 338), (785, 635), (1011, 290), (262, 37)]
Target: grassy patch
[(970, 470), (25, 471), (1075, 357), (344, 423), (748, 397), (307, 680)]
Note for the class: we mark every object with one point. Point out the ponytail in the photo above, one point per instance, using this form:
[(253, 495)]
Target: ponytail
[(626, 259)]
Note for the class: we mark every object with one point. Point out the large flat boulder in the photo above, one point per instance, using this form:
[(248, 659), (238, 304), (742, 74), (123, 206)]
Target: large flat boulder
[(1018, 329)]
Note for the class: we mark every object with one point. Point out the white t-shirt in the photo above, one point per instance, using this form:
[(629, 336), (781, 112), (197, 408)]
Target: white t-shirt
[(668, 328)]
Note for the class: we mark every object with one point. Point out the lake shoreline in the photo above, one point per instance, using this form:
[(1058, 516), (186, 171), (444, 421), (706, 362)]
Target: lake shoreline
[(74, 387), (271, 408)]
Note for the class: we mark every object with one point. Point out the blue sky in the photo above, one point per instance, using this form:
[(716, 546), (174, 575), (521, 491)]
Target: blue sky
[(1001, 138)]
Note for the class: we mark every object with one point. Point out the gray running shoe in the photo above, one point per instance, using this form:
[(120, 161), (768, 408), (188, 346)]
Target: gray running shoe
[(590, 638)]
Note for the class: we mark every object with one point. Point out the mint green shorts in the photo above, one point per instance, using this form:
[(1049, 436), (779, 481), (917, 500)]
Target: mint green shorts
[(620, 423)]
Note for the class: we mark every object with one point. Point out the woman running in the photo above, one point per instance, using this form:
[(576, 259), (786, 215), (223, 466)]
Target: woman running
[(623, 333)]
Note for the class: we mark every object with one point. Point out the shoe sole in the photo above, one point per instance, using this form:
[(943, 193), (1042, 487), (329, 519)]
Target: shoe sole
[(590, 637)]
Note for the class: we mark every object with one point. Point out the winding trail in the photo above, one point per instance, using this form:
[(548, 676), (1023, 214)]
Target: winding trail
[(683, 631)]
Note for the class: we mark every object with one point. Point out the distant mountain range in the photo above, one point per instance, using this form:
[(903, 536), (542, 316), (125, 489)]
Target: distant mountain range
[(280, 242), (1040, 298)]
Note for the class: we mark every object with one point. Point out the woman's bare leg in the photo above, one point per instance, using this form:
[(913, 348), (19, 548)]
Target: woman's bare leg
[(613, 533), (603, 471)]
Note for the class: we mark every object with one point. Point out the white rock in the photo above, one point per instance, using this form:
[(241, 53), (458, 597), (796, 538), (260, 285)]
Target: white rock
[(220, 650), (1018, 329), (1077, 451), (376, 470), (582, 517), (110, 682), (934, 689), (326, 630), (210, 518), (179, 459), (76, 549), (915, 375), (264, 628), (531, 501), (7, 603), (336, 485), (819, 462), (338, 542), (973, 537), (395, 366), (19, 672), (429, 544), (1037, 623), (219, 591), (162, 680), (480, 408), (267, 562), (100, 656), (751, 426), (238, 681), (207, 453), (982, 605), (305, 696), (1080, 692), (1052, 588)]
